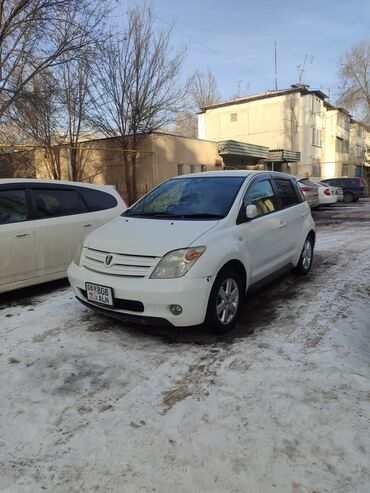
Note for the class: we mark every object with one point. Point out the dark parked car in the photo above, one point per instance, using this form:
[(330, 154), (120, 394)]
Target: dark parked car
[(353, 188)]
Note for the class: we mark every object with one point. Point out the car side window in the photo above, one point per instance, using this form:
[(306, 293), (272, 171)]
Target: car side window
[(97, 200), (261, 194), (57, 202), (13, 207), (287, 192)]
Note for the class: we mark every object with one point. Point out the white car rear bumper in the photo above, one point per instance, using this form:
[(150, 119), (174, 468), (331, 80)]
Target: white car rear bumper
[(326, 199)]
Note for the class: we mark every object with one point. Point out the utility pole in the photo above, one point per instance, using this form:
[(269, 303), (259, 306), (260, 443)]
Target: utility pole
[(275, 57)]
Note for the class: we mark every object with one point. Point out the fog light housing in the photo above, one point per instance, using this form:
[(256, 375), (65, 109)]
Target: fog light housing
[(176, 309)]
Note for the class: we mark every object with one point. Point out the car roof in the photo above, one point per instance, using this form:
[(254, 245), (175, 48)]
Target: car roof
[(231, 173), (8, 181)]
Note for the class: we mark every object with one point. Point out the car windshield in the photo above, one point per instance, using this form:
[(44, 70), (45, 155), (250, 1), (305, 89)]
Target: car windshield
[(189, 198)]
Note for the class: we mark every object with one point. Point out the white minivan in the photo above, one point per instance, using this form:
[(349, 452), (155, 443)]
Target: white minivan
[(42, 223), (188, 251)]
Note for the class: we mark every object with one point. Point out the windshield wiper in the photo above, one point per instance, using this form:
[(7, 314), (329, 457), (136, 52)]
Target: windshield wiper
[(201, 215), (173, 216), (132, 213)]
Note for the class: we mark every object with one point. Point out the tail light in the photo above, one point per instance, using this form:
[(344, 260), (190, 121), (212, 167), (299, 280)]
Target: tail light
[(327, 191), (305, 189)]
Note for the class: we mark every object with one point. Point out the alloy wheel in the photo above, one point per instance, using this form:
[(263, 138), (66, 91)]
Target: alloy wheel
[(227, 301), (307, 255)]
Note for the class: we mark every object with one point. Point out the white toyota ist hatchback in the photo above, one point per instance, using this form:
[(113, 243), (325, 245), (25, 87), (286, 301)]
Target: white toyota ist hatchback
[(187, 252)]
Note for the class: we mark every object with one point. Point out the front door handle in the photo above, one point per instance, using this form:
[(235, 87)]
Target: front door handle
[(87, 225), (22, 235), (282, 225)]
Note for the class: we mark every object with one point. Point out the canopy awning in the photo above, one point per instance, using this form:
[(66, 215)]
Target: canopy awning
[(236, 148), (283, 156)]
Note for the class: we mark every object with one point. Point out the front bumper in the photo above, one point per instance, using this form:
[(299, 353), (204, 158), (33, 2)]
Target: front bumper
[(155, 294)]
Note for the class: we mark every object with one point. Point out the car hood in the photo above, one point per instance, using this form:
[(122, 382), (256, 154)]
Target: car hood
[(153, 237)]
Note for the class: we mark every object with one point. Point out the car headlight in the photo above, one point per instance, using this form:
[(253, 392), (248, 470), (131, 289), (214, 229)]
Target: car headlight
[(177, 263), (78, 254)]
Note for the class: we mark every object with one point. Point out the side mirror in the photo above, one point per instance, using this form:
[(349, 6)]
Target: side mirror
[(251, 211)]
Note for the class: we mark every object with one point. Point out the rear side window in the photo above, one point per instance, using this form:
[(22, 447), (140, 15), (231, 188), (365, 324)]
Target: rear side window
[(307, 182), (287, 192), (97, 200), (13, 207), (262, 196), (54, 203)]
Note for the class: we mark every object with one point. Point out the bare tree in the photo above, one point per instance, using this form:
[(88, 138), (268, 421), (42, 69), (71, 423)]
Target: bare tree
[(354, 90), (74, 94), (201, 90), (38, 116), (136, 88), (186, 123), (53, 115), (37, 34)]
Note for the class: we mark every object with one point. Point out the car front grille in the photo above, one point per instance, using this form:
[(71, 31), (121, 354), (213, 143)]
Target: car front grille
[(118, 264)]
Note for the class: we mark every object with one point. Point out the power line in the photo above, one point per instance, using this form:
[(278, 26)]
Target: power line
[(231, 60)]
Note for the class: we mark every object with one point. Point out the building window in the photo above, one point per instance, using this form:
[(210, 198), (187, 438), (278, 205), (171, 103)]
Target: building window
[(341, 145), (360, 151), (343, 120), (316, 105), (203, 168), (180, 168), (233, 117), (316, 137), (192, 168)]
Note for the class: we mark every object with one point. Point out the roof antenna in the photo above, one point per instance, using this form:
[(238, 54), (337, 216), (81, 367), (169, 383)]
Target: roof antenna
[(301, 68)]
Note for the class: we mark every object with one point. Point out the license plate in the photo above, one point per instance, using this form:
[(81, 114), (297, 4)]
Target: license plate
[(99, 294)]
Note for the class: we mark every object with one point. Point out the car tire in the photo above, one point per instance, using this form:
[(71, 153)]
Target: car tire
[(348, 197), (224, 302), (305, 260)]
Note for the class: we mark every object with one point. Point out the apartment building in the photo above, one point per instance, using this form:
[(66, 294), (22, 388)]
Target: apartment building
[(335, 151), (299, 131), (358, 147)]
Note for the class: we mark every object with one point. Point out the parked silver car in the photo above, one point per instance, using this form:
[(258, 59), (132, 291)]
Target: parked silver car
[(310, 192)]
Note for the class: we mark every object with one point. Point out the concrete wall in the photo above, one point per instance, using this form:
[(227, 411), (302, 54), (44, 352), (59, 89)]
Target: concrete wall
[(102, 161), (263, 122)]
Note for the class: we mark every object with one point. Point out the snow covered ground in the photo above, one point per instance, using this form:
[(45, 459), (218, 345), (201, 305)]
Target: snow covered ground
[(280, 405)]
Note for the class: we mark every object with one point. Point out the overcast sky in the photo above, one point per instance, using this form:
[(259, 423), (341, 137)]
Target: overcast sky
[(235, 39)]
